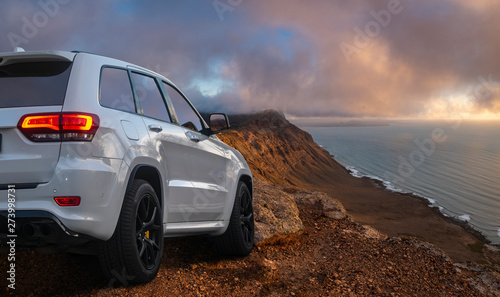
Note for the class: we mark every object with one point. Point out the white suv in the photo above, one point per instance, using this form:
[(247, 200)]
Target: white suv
[(97, 154)]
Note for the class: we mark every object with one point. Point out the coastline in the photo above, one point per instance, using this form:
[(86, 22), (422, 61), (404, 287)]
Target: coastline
[(429, 200), (370, 202), (454, 177), (453, 220)]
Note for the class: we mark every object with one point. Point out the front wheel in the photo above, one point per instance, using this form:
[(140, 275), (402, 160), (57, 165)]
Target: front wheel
[(238, 240), (133, 254)]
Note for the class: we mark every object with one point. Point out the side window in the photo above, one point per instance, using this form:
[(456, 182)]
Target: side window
[(116, 91), (150, 97), (185, 113)]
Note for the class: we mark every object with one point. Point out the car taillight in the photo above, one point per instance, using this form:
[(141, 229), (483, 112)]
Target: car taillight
[(67, 201), (65, 126)]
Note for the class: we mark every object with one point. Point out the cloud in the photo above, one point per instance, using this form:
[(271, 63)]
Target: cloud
[(405, 56), (426, 49)]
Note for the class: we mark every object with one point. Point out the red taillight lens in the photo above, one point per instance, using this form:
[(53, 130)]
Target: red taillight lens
[(66, 126), (67, 201), (41, 121), (77, 122)]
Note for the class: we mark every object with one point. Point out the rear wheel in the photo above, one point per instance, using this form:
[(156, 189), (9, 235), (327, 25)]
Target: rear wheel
[(134, 252), (238, 240)]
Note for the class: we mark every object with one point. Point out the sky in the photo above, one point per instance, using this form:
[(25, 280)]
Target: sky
[(319, 58)]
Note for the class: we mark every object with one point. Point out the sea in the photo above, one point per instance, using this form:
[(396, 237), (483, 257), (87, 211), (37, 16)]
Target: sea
[(455, 165)]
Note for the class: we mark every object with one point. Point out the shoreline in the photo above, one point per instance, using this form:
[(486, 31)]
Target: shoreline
[(370, 202), (464, 224), (387, 186), (452, 178)]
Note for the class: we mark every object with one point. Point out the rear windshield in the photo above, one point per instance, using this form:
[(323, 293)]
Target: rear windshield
[(33, 83)]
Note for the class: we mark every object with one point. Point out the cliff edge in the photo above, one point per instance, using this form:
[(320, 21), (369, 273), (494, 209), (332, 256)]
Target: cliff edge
[(279, 151)]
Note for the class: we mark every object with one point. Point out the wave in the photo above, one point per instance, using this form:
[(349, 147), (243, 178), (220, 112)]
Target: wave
[(390, 187), (387, 184), (441, 210)]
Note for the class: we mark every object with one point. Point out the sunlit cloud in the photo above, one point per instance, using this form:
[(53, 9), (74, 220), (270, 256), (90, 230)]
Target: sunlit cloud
[(480, 5), (428, 59)]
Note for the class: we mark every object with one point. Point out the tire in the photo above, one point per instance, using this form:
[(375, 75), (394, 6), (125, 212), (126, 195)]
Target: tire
[(133, 254), (238, 240)]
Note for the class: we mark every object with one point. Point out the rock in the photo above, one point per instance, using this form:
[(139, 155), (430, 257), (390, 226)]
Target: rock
[(276, 213), (331, 208)]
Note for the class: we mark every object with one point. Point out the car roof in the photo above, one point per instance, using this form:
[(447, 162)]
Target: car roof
[(19, 54)]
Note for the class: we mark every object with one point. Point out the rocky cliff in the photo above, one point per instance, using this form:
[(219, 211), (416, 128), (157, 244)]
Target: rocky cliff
[(278, 151), (281, 157)]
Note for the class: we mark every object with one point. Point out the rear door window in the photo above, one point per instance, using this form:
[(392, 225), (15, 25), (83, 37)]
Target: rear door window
[(116, 90), (150, 97), (33, 83)]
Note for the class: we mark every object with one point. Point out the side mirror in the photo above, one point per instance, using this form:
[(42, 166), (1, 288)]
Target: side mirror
[(218, 122)]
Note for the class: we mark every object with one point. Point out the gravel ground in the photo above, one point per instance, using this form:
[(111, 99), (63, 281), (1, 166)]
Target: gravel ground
[(330, 257)]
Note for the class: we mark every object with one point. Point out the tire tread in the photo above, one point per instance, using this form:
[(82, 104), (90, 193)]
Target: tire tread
[(232, 243), (114, 252)]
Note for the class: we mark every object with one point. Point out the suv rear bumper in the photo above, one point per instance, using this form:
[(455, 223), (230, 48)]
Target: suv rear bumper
[(100, 183), (37, 229)]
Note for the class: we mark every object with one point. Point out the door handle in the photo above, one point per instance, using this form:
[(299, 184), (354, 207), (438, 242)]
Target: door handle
[(193, 137), (155, 128)]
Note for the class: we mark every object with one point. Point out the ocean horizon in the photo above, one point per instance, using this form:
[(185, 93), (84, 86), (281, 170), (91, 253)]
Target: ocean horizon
[(455, 165)]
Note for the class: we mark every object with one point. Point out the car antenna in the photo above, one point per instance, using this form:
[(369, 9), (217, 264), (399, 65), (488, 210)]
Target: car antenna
[(19, 50)]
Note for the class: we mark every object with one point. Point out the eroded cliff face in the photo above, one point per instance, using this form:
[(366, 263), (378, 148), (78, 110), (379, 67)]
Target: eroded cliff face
[(282, 158), (278, 151)]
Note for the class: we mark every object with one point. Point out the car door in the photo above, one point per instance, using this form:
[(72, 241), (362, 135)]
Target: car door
[(170, 143), (207, 163)]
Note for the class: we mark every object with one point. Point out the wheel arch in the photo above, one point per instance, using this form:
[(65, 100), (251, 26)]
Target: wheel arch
[(234, 241), (247, 179), (149, 174)]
